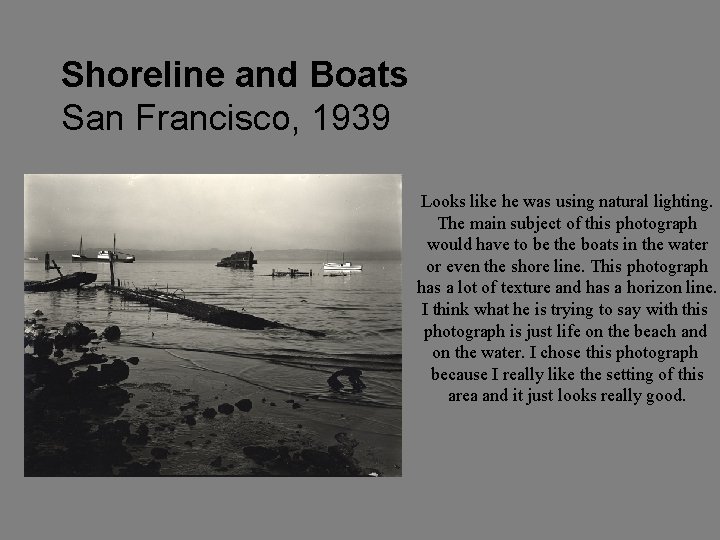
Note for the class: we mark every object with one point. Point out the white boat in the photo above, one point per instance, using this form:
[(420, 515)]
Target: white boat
[(341, 267), (344, 266)]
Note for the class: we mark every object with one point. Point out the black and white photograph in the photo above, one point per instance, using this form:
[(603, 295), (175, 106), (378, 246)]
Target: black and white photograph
[(212, 325)]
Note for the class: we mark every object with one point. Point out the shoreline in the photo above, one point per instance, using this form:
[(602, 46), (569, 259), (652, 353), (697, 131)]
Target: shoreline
[(153, 434)]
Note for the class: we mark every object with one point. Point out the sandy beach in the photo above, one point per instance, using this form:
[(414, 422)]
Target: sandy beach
[(168, 415)]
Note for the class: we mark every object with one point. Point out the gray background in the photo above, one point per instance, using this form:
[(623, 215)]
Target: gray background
[(523, 97)]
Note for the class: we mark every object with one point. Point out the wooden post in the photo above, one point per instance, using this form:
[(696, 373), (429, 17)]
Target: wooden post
[(56, 267), (47, 261), (112, 274)]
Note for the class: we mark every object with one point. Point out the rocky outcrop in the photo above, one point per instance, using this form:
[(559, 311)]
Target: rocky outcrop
[(69, 411)]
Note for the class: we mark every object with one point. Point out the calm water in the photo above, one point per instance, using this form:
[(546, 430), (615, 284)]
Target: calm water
[(360, 314)]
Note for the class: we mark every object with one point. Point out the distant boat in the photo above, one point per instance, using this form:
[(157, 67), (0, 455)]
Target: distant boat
[(71, 281), (104, 255), (344, 266), (32, 259)]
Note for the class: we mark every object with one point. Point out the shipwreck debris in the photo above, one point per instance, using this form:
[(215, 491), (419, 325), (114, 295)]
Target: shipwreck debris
[(240, 259), (71, 281)]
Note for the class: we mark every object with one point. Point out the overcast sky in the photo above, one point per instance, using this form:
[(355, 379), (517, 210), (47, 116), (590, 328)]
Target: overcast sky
[(228, 212)]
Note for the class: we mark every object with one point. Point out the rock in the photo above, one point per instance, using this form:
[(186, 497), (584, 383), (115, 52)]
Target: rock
[(217, 462), (316, 458), (159, 453), (340, 453), (37, 313), (353, 375), (77, 334), (244, 405), (34, 364), (111, 333), (260, 453), (91, 358), (190, 420), (43, 345), (296, 405), (225, 408), (345, 440), (209, 413), (141, 435), (114, 430), (61, 342), (56, 377), (189, 405), (272, 404), (88, 378), (115, 372), (138, 469), (334, 383), (133, 360)]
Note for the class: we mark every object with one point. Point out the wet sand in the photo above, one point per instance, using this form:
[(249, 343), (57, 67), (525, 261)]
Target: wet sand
[(179, 418)]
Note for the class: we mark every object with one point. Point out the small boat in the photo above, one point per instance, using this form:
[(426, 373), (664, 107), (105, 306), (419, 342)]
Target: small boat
[(32, 259), (344, 266), (341, 267), (71, 281)]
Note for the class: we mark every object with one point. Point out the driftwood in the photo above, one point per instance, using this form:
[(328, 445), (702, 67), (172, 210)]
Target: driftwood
[(173, 303)]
